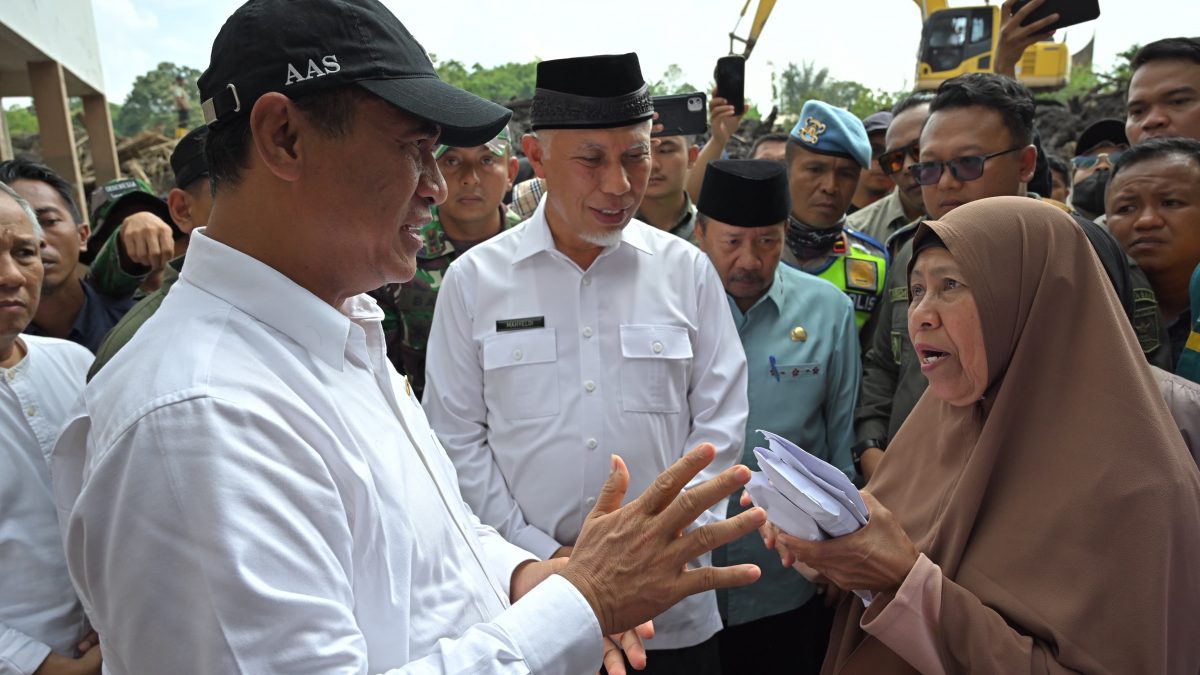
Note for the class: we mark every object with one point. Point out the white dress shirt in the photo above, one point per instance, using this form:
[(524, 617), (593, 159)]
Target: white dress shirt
[(257, 493), (39, 612), (636, 356)]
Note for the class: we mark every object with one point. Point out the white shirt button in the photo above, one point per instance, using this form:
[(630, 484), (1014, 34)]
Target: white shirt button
[(589, 386), (517, 354), (657, 347), (591, 443), (31, 411), (587, 332), (587, 281), (590, 501)]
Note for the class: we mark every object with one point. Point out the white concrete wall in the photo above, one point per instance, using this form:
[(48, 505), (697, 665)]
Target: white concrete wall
[(65, 30)]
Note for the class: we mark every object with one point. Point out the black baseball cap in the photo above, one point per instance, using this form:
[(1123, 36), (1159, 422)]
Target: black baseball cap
[(187, 160), (1103, 131), (302, 47)]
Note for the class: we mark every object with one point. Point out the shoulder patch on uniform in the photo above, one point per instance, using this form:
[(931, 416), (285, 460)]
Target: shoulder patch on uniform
[(898, 294), (862, 275)]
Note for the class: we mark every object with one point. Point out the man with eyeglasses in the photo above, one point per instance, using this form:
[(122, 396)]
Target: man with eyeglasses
[(977, 143), (826, 151), (883, 218), (1098, 148)]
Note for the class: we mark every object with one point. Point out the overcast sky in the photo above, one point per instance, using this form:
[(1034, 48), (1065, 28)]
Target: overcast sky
[(870, 41)]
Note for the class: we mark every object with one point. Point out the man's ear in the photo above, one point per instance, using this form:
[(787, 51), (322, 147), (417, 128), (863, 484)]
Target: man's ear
[(533, 151), (514, 166), (179, 202), (1028, 162), (277, 135), (85, 231), (693, 153)]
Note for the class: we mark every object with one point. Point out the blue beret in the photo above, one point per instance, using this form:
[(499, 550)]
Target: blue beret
[(827, 130)]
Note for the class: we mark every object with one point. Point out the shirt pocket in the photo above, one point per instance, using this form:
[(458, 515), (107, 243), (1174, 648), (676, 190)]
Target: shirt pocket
[(520, 373), (655, 361)]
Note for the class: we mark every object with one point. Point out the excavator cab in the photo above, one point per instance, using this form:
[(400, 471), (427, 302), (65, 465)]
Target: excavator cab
[(960, 40)]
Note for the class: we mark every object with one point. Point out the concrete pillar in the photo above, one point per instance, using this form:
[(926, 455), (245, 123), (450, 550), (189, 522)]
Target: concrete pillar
[(98, 121), (54, 123), (6, 148)]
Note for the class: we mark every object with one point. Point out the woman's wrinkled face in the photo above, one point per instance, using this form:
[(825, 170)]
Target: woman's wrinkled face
[(943, 323)]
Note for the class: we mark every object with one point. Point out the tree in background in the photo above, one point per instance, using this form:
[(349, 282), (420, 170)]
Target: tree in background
[(501, 83), (149, 105), (798, 83)]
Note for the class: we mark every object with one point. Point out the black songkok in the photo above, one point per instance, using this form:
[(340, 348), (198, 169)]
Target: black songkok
[(590, 92), (745, 192)]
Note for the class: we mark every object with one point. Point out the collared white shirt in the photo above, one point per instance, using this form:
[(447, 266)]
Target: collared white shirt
[(264, 497), (636, 356), (39, 612)]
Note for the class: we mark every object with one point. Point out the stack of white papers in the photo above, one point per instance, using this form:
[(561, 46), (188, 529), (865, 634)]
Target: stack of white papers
[(802, 495)]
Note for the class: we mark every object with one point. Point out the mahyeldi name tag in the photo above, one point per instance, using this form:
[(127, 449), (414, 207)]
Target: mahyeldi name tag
[(521, 324)]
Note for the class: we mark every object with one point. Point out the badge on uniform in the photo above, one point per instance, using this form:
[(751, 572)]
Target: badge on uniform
[(862, 275), (811, 133), (799, 334), (526, 323)]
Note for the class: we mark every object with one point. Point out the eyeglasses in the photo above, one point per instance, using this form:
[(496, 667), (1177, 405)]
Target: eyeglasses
[(893, 162), (1088, 161), (962, 168)]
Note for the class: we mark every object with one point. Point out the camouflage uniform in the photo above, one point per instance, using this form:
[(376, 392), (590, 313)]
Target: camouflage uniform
[(408, 307)]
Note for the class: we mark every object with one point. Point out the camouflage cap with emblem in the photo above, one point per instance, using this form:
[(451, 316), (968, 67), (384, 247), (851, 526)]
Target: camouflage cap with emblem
[(829, 130), (498, 145), (115, 201)]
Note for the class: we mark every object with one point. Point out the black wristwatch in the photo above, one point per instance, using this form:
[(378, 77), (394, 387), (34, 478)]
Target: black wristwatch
[(857, 450)]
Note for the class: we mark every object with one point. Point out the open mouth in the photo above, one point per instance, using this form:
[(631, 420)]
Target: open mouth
[(931, 356)]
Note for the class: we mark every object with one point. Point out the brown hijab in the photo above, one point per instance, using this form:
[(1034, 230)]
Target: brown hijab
[(1065, 501)]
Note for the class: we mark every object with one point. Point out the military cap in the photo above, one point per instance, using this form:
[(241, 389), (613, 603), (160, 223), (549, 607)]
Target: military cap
[(498, 145), (827, 130), (116, 200), (590, 92), (745, 192)]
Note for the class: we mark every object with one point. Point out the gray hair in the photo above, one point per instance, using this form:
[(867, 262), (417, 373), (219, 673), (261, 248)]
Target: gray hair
[(37, 227)]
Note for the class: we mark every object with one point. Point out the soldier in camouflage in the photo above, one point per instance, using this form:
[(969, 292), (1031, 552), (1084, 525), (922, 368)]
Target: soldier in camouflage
[(474, 211)]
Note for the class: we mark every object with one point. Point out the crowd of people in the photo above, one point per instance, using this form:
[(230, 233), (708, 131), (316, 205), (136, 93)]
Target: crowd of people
[(355, 397)]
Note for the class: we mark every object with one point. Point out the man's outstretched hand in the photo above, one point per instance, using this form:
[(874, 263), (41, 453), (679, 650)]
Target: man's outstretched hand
[(630, 562)]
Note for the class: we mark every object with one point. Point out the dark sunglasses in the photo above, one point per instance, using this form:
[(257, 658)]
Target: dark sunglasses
[(962, 168), (893, 162), (1088, 161)]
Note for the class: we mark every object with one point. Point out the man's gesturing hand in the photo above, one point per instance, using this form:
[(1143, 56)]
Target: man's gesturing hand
[(631, 562)]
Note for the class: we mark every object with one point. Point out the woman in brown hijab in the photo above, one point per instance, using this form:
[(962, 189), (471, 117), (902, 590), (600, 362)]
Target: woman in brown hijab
[(1038, 511)]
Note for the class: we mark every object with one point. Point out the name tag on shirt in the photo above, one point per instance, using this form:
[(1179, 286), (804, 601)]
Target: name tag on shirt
[(520, 324)]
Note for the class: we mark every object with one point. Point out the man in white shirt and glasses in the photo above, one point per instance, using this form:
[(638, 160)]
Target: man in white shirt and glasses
[(583, 332), (270, 498)]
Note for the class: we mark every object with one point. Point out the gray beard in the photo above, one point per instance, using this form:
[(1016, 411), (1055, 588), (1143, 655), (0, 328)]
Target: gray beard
[(604, 240)]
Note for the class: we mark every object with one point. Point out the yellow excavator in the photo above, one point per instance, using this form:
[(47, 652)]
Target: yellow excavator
[(959, 40), (760, 20)]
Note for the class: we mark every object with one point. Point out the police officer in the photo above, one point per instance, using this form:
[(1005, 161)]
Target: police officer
[(826, 152)]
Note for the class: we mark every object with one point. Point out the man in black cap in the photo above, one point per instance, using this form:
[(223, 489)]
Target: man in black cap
[(802, 351), (873, 183), (1096, 150), (275, 501), (190, 202), (584, 331)]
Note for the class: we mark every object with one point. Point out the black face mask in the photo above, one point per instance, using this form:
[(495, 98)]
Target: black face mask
[(1088, 195), (809, 242)]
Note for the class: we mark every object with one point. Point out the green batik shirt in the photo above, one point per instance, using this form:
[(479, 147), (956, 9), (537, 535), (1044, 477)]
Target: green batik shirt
[(408, 307)]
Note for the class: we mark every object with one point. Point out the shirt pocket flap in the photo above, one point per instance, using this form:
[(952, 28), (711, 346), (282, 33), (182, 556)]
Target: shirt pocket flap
[(521, 347), (645, 341)]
